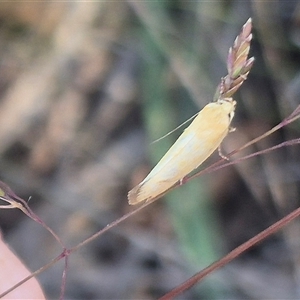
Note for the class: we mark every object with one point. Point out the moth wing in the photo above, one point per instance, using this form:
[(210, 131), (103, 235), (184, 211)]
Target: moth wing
[(194, 145)]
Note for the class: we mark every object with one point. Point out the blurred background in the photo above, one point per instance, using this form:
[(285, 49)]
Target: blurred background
[(85, 87)]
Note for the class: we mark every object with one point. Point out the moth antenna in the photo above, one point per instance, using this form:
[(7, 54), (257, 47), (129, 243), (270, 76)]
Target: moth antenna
[(170, 132)]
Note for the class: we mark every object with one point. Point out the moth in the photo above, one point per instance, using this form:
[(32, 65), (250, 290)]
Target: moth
[(198, 141)]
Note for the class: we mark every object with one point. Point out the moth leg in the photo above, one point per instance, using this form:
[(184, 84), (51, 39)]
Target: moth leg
[(221, 154), (222, 87), (182, 181)]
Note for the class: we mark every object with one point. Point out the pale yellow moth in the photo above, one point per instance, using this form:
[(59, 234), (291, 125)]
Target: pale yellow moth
[(198, 141)]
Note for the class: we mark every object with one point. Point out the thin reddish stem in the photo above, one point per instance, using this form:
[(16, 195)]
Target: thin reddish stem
[(232, 255)]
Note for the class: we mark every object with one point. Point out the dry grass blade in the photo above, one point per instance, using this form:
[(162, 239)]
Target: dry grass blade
[(238, 63), (8, 196)]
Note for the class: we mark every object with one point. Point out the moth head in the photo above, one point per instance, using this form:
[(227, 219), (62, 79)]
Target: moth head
[(228, 104)]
